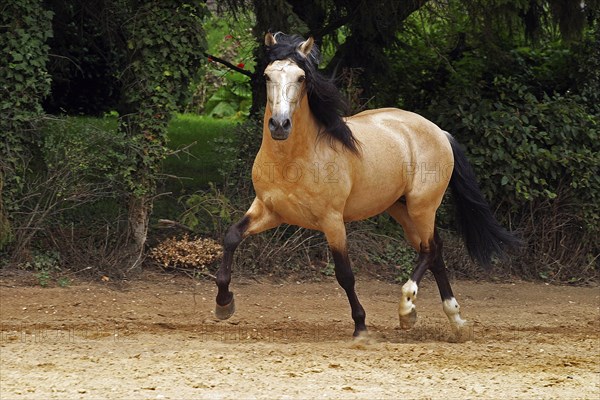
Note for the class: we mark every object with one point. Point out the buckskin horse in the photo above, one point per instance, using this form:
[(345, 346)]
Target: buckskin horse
[(318, 170)]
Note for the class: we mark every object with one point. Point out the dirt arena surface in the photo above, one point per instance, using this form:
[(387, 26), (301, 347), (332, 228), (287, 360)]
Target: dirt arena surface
[(156, 338)]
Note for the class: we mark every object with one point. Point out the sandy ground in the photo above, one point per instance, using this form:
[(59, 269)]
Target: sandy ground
[(156, 338)]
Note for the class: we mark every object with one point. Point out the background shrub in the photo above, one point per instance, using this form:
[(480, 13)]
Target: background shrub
[(24, 82), (535, 146)]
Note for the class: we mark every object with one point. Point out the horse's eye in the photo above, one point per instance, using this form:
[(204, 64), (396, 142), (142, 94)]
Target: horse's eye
[(266, 77), (301, 79)]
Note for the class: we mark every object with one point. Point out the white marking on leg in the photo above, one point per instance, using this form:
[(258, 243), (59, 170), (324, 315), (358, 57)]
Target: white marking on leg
[(409, 296), (452, 310)]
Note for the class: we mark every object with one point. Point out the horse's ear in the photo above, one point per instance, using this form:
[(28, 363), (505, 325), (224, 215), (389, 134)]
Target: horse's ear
[(270, 39), (305, 47)]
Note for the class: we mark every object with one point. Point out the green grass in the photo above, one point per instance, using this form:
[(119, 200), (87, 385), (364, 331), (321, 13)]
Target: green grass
[(199, 163), (196, 163)]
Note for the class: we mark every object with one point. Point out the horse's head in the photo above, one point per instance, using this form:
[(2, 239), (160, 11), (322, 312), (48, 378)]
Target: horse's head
[(292, 77), (285, 76)]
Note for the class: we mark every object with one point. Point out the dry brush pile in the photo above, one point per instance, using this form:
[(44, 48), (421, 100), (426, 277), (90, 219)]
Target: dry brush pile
[(186, 252)]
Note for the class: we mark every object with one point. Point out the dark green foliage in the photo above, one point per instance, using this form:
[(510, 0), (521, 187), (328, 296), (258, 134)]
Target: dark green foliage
[(587, 72), (532, 147), (530, 125), (164, 45), (530, 152), (24, 82), (525, 126)]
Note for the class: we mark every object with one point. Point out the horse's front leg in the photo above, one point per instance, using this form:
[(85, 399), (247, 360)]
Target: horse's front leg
[(335, 231), (258, 218)]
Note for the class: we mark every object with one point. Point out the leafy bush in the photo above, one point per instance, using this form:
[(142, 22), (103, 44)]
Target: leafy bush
[(91, 149), (232, 100), (537, 155), (24, 82), (208, 212), (531, 147)]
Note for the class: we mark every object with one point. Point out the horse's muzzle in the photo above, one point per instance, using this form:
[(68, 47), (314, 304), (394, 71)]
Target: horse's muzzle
[(280, 128)]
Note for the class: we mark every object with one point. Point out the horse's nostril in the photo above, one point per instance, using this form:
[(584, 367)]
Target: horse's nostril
[(272, 124), (286, 124)]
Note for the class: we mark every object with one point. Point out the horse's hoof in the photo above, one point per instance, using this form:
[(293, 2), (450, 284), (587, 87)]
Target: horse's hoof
[(462, 333), (360, 333), (225, 312), (362, 340), (408, 321)]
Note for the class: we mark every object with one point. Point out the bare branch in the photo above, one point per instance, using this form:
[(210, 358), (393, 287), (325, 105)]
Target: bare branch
[(229, 65)]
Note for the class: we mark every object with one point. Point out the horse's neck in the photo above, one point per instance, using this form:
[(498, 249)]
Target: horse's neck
[(301, 141)]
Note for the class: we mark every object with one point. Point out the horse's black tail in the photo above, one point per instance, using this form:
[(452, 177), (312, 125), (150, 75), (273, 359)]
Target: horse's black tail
[(484, 237)]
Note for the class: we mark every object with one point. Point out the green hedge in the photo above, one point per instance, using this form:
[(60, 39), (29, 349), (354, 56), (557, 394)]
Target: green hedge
[(25, 26), (536, 151)]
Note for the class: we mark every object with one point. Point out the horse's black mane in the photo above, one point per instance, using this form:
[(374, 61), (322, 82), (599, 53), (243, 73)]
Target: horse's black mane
[(325, 100)]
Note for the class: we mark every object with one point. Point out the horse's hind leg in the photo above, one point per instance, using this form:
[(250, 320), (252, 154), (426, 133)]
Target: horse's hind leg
[(407, 310), (430, 257), (399, 212), (450, 305), (417, 218), (335, 231), (257, 219)]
